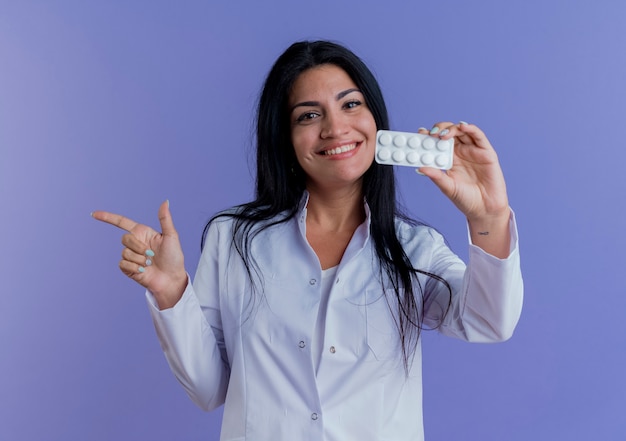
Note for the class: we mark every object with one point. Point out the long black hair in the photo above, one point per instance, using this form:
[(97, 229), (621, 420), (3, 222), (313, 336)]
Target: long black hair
[(280, 182)]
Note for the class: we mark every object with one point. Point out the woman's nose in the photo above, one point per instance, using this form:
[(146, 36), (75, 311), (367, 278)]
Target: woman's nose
[(334, 125)]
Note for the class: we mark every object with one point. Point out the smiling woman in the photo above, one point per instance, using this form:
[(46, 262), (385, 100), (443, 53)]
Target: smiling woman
[(305, 313), (332, 131)]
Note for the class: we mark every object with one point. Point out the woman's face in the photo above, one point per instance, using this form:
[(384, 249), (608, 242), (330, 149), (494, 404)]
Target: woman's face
[(333, 131)]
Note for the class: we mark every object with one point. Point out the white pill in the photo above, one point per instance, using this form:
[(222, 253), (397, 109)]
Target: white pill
[(413, 158), (415, 142), (441, 160), (399, 140), (427, 158), (443, 145), (398, 156), (384, 154), (428, 143), (384, 139)]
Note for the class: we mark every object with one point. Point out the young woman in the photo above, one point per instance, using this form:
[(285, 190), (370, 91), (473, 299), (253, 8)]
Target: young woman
[(305, 313)]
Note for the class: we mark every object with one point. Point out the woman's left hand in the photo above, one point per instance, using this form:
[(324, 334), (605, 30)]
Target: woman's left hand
[(475, 183)]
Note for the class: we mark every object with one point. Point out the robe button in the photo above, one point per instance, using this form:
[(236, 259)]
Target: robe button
[(312, 282), (301, 345), (314, 416), (332, 350)]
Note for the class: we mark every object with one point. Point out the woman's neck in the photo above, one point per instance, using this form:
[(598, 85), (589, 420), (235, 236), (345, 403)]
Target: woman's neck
[(331, 220), (337, 210)]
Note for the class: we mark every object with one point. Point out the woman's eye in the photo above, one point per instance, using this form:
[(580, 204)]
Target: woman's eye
[(352, 104), (307, 116)]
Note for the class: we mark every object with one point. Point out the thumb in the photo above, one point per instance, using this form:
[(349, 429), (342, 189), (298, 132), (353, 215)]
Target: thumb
[(165, 218)]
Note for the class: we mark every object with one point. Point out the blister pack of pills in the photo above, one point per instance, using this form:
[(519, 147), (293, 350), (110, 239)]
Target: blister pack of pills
[(413, 150)]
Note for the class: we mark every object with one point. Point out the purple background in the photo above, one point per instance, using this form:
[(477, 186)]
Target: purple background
[(119, 105)]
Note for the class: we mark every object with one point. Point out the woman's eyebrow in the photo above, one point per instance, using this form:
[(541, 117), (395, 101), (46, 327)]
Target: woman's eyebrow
[(346, 92), (339, 96), (305, 104)]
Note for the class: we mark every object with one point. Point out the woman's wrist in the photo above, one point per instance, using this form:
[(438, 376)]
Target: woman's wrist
[(491, 233), (168, 297)]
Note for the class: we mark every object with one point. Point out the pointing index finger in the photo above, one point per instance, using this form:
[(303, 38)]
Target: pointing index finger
[(114, 219)]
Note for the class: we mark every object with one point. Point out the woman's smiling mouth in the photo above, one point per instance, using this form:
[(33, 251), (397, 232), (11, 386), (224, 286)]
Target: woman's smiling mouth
[(339, 150)]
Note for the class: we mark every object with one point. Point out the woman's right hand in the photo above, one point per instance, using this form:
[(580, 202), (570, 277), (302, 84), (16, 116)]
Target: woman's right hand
[(152, 259)]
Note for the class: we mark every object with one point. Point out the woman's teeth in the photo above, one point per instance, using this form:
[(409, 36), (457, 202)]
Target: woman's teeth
[(338, 150)]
